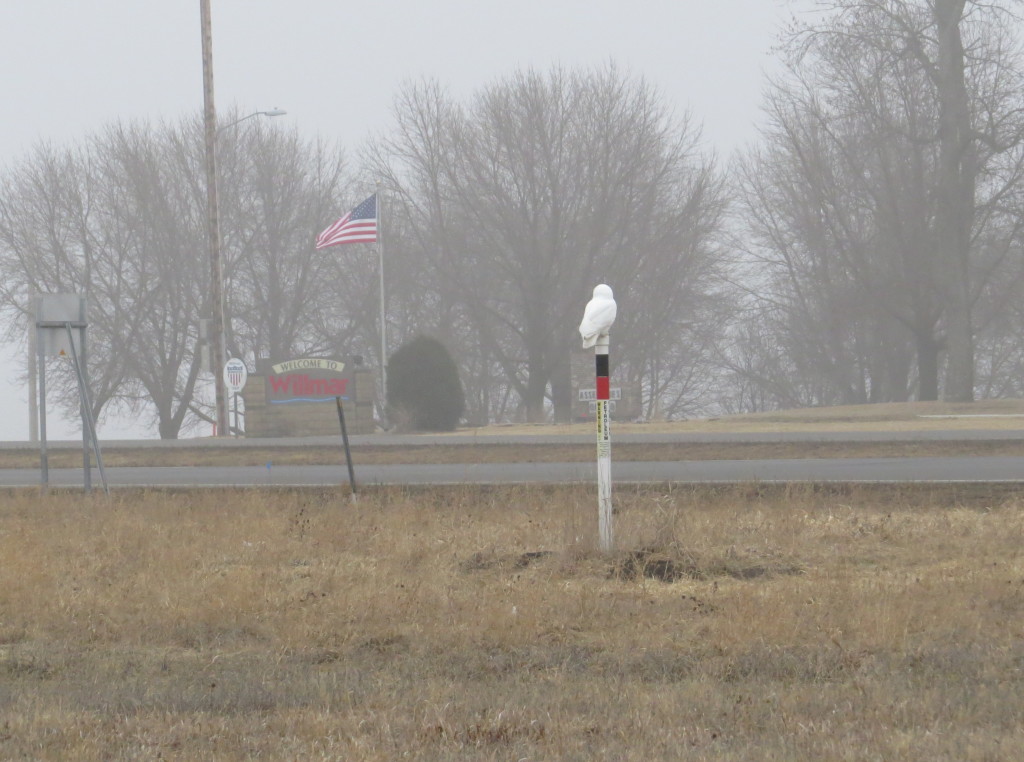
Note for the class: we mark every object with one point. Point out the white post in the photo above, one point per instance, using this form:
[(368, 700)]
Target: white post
[(604, 445)]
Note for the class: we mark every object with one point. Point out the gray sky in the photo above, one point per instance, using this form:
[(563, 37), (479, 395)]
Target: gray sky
[(70, 68)]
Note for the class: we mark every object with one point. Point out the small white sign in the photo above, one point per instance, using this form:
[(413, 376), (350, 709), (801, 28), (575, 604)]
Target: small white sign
[(235, 375), (615, 393)]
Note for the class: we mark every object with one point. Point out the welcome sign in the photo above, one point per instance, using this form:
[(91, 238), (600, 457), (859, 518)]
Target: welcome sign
[(306, 380)]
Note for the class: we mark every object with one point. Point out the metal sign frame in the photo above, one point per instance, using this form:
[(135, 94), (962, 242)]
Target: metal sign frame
[(58, 318)]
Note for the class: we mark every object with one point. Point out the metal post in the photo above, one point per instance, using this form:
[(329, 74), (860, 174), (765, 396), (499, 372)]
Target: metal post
[(89, 434), (604, 444), (88, 437), (44, 458), (83, 372), (383, 314), (213, 212), (348, 451), (33, 384)]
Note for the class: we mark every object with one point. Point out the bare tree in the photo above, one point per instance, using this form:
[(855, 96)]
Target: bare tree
[(279, 191), (893, 147), (121, 220), (52, 240), (159, 264), (542, 186)]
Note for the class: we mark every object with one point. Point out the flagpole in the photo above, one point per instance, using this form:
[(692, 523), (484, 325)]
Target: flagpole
[(383, 316), (364, 225)]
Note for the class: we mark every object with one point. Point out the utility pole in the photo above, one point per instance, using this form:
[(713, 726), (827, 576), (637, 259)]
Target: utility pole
[(213, 221), (33, 383)]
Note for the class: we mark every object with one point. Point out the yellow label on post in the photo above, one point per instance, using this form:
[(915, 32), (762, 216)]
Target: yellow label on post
[(604, 434)]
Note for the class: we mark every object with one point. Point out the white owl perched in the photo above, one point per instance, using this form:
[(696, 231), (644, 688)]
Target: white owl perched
[(598, 316)]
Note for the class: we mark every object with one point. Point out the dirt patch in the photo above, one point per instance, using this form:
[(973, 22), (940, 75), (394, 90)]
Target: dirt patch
[(653, 564), (481, 561), (385, 644), (666, 566)]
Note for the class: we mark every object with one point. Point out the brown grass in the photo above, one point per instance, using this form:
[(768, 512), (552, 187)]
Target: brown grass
[(997, 414), (734, 623)]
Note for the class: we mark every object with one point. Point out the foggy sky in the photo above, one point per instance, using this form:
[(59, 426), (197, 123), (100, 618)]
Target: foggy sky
[(71, 68)]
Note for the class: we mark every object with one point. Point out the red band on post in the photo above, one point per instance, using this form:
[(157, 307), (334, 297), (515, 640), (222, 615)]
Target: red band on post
[(602, 387)]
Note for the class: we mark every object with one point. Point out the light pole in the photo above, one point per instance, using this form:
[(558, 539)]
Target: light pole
[(218, 355), (213, 216)]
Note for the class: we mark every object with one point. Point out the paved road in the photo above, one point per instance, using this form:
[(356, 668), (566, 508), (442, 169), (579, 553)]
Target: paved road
[(942, 469), (407, 440)]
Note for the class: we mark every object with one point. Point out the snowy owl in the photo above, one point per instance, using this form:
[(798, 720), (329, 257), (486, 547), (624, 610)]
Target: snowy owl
[(598, 316)]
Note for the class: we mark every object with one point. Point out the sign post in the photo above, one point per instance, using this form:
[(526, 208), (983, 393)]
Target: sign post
[(235, 376), (598, 318), (604, 444), (348, 451)]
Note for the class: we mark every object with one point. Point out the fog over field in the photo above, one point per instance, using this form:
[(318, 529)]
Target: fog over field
[(336, 67), (796, 204)]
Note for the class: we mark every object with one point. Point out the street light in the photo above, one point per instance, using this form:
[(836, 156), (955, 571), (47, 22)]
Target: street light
[(217, 358), (269, 113)]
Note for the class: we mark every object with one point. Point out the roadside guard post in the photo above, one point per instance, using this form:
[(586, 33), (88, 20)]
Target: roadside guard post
[(598, 318), (604, 444), (597, 321)]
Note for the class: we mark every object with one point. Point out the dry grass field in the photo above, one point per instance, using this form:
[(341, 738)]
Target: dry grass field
[(997, 414), (739, 623)]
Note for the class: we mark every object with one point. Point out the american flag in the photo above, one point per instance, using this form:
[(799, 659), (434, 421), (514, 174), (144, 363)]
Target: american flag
[(358, 226)]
